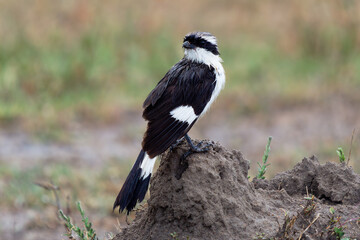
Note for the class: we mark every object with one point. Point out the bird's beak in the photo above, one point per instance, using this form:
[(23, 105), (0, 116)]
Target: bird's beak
[(188, 45)]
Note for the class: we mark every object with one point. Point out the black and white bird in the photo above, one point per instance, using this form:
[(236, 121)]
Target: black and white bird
[(181, 97)]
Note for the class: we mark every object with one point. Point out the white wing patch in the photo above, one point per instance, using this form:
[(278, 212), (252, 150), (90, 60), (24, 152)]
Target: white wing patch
[(184, 114), (147, 166)]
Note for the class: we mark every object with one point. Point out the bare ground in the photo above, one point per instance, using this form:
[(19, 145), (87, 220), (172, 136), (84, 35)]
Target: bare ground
[(209, 196)]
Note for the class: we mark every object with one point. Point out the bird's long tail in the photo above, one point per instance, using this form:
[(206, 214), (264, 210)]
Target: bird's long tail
[(136, 184)]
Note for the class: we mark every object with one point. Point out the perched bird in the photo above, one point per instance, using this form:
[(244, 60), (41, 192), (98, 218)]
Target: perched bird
[(181, 97)]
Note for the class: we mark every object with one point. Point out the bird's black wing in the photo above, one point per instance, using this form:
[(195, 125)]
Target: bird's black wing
[(160, 88), (187, 84)]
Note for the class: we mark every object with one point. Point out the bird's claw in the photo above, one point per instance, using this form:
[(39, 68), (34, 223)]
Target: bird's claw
[(199, 148)]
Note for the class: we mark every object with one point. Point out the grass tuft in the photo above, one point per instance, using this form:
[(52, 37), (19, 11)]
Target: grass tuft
[(262, 168), (87, 233), (340, 153)]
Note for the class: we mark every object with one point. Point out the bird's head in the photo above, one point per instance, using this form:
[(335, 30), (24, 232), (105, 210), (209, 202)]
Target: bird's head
[(200, 45)]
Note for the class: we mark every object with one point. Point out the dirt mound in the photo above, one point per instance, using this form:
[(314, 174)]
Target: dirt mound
[(210, 197), (332, 183)]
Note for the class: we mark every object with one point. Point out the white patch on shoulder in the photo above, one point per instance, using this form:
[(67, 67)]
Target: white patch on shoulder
[(147, 166), (184, 114)]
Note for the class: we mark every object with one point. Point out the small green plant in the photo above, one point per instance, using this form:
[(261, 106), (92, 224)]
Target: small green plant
[(339, 232), (336, 227), (259, 236), (84, 234), (262, 168), (340, 153), (174, 235), (331, 210)]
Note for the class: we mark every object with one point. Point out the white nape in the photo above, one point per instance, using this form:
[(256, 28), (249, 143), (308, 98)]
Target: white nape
[(201, 55), (210, 39), (184, 114), (147, 166)]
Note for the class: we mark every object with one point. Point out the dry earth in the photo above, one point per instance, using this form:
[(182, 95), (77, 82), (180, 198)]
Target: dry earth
[(209, 196)]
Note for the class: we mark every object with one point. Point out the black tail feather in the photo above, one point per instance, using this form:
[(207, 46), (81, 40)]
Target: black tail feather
[(134, 188)]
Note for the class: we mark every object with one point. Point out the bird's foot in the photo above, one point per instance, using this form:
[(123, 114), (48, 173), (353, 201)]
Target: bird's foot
[(199, 148), (174, 145)]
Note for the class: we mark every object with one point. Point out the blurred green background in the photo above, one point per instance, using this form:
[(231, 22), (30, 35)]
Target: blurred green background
[(73, 75)]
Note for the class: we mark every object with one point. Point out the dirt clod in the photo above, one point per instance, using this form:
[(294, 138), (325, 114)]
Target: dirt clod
[(214, 199)]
